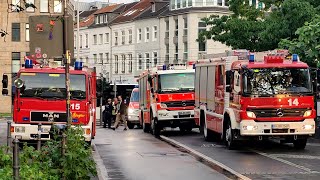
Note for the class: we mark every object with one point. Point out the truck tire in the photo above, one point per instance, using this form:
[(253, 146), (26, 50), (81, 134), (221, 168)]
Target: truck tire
[(155, 129), (201, 123), (130, 125), (145, 127), (229, 136), (300, 143)]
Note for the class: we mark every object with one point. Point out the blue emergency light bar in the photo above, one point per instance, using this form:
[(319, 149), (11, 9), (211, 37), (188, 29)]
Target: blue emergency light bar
[(251, 58), (295, 57), (78, 65), (28, 63)]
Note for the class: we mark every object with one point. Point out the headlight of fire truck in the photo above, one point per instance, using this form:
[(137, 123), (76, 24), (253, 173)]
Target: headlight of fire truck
[(130, 111), (307, 113), (19, 129), (161, 106), (251, 114)]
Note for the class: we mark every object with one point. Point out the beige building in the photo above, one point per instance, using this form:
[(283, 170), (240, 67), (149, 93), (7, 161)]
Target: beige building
[(14, 46)]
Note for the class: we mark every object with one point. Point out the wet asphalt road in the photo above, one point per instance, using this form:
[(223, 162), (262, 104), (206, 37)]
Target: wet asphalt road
[(259, 160), (134, 155)]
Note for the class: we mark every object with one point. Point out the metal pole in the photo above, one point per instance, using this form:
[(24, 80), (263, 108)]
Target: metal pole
[(9, 134), (16, 165), (63, 149), (39, 137), (67, 62), (101, 113), (78, 28)]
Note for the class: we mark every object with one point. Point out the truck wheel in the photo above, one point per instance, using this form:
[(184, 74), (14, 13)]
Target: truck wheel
[(229, 136), (130, 125), (300, 143), (155, 129), (145, 127)]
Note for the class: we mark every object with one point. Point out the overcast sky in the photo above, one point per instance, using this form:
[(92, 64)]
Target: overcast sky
[(114, 1)]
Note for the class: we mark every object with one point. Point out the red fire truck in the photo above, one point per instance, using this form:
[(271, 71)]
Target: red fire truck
[(40, 97), (254, 96), (167, 98)]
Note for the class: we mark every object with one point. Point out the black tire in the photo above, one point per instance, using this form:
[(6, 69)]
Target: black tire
[(300, 143), (155, 129), (201, 122), (229, 136), (145, 127), (130, 125)]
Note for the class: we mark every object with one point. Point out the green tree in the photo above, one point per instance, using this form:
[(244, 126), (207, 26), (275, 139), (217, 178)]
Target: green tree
[(258, 30), (307, 44)]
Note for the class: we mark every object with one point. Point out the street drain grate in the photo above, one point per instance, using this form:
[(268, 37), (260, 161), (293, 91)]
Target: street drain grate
[(161, 154)]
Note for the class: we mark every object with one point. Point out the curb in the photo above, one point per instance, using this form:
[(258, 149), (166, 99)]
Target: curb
[(219, 167), (101, 169)]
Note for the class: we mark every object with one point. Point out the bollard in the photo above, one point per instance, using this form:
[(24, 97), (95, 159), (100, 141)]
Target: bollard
[(39, 137), (9, 134), (16, 159)]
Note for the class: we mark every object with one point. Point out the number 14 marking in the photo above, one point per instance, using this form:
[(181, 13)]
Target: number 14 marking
[(293, 102)]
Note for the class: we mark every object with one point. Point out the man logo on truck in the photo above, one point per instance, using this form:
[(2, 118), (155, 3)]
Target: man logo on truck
[(50, 116)]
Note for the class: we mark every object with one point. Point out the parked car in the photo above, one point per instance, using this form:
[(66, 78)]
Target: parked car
[(133, 109)]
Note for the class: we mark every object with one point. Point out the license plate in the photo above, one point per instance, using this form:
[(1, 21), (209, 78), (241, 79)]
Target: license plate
[(280, 126), (184, 113)]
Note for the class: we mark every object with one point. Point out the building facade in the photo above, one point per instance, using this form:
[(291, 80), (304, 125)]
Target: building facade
[(15, 27)]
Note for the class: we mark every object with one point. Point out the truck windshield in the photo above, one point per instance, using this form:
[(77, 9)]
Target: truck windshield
[(50, 85), (273, 81), (177, 82), (134, 96)]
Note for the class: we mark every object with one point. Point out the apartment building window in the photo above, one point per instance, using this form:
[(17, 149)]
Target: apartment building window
[(199, 2), (147, 34), (96, 19), (123, 37), (185, 51), (185, 26), (116, 38), (155, 58), (189, 3), (178, 4), (57, 6), (226, 2), (139, 35), (101, 38), (16, 57), (80, 41), (167, 49), (15, 4), (101, 19), (87, 40), (176, 53), (130, 63), (104, 17), (167, 59), (101, 58), (123, 63), (155, 33), (87, 60), (176, 27), (147, 60), (167, 30), (130, 36), (173, 4), (15, 32), (107, 37), (210, 2), (139, 61), (116, 70), (30, 9), (219, 3), (44, 6), (95, 58), (184, 3), (27, 32), (107, 58), (202, 27), (95, 39)]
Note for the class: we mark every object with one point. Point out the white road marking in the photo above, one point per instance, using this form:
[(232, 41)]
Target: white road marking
[(295, 156), (271, 156), (196, 153)]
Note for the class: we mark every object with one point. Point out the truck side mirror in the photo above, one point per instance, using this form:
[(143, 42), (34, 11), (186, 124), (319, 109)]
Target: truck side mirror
[(228, 89), (5, 92), (150, 80), (4, 81), (228, 77)]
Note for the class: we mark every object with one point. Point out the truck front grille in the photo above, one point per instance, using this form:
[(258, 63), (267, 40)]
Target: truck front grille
[(272, 112), (179, 103)]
